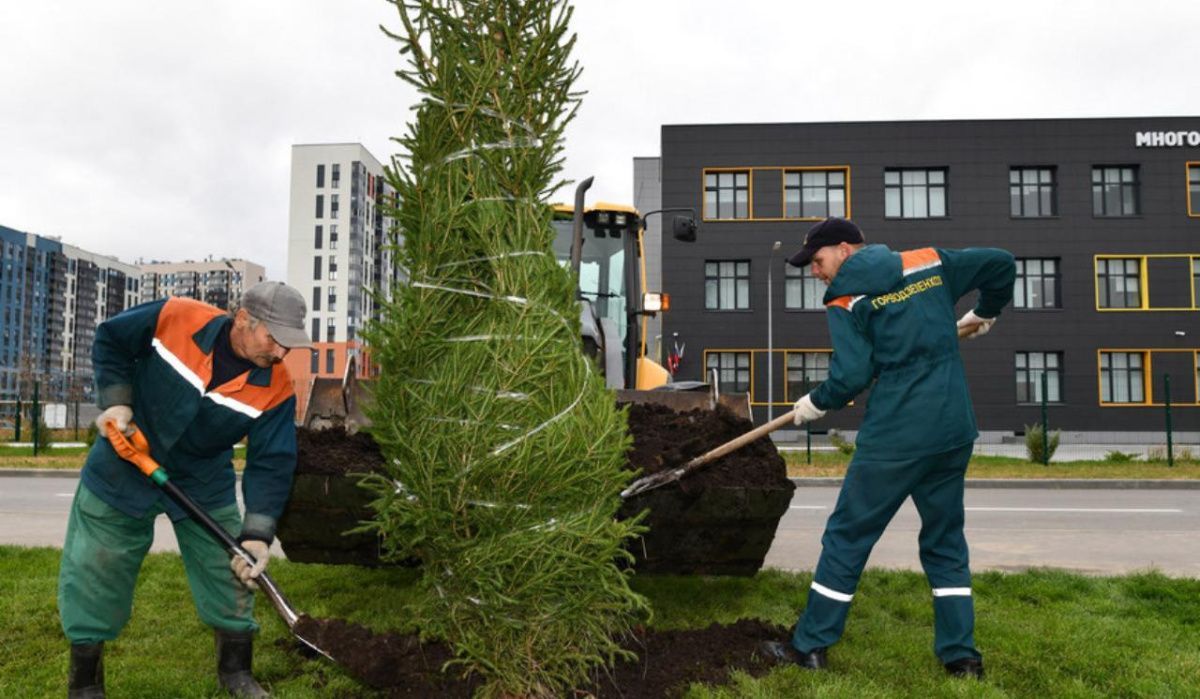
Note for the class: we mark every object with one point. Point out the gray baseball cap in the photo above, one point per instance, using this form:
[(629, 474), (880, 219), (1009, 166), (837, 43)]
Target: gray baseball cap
[(282, 308)]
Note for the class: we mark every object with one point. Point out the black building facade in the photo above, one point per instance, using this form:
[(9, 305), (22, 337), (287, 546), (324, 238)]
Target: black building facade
[(1102, 214)]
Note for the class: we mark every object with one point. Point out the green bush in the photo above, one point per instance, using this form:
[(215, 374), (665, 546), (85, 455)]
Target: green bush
[(1118, 457), (92, 433), (837, 440), (1034, 444)]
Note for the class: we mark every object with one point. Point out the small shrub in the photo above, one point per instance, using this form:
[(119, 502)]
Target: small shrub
[(92, 433), (43, 435), (837, 440), (1034, 444), (1185, 454), (1118, 457), (1156, 454)]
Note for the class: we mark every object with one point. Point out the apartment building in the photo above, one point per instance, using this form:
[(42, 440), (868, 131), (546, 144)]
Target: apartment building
[(218, 282), (1103, 216)]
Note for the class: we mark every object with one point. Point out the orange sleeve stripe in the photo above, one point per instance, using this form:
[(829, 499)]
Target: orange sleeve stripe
[(842, 302), (919, 258), (179, 319)]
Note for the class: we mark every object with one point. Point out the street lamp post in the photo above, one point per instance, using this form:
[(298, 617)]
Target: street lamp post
[(771, 335)]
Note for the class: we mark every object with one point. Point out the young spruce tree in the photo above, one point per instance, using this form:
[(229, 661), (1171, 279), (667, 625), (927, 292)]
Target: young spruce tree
[(505, 449)]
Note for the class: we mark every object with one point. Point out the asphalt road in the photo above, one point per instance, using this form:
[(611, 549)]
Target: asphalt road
[(1101, 532), (1096, 532)]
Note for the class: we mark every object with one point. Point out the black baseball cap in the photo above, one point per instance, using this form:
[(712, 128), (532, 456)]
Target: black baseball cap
[(831, 231)]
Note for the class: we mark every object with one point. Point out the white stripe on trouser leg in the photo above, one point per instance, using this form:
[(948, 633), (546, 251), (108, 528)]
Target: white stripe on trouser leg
[(951, 592), (831, 594)]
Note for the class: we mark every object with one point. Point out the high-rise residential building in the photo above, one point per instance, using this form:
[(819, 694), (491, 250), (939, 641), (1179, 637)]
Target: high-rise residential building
[(338, 252), (218, 282), (52, 296)]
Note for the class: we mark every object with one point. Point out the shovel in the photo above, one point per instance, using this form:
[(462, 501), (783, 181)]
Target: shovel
[(136, 450), (656, 480)]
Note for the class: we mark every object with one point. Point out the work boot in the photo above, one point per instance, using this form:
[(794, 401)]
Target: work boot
[(85, 678), (234, 653), (966, 667), (785, 652)]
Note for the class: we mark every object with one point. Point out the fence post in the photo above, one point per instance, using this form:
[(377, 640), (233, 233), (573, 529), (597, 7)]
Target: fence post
[(807, 432), (76, 420), (17, 423), (1045, 419), (1167, 400)]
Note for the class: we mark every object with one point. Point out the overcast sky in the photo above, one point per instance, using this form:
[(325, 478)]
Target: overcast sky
[(162, 129)]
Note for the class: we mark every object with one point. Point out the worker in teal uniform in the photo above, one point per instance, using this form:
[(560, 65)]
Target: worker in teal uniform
[(892, 322), (195, 380)]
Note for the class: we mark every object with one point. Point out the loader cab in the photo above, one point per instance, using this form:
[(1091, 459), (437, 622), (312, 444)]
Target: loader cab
[(613, 300)]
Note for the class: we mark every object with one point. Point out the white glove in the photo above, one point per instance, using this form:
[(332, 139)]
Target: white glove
[(805, 411), (981, 325), (246, 572), (122, 415)]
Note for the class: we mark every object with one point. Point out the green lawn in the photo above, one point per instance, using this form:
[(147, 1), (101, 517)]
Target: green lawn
[(833, 465), (1043, 633)]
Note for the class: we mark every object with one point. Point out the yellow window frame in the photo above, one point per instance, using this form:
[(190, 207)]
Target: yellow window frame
[(1144, 281)]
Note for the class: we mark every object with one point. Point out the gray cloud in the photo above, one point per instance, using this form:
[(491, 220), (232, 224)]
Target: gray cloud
[(163, 129)]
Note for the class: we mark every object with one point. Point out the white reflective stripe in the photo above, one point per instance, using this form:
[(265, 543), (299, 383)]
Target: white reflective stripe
[(234, 404), (178, 365), (951, 592), (855, 300), (192, 378), (831, 594), (922, 268)]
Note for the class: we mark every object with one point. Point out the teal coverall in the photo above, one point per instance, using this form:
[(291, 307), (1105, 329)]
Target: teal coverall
[(892, 321), (158, 359)]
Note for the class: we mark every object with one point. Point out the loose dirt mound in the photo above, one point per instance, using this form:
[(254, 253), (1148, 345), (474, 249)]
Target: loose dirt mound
[(667, 660), (662, 439)]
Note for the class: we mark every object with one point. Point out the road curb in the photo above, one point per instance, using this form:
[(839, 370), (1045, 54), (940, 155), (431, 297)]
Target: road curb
[(1043, 483), (1011, 483)]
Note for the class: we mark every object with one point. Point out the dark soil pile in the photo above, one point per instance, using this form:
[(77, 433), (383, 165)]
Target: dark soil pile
[(334, 451), (667, 660), (664, 439)]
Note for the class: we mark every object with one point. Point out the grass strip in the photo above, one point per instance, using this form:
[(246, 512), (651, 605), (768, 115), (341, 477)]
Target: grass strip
[(1043, 632)]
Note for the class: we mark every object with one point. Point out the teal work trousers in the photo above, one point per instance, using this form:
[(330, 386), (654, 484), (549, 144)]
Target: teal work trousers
[(103, 553), (871, 493)]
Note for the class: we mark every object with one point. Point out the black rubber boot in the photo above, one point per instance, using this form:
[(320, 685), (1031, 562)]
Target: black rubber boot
[(235, 650), (966, 667), (85, 678), (783, 652)]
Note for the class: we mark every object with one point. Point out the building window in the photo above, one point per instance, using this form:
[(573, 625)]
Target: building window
[(320, 206), (1193, 170), (333, 236), (814, 193), (330, 330), (727, 285), (727, 194), (335, 175), (332, 269), (321, 175), (316, 304), (1038, 284), (318, 234), (1115, 191), (333, 206), (1031, 366), (1032, 192), (915, 193), (733, 370), (801, 290), (1122, 379), (317, 267), (1196, 285), (329, 354), (1119, 282), (332, 300), (804, 371)]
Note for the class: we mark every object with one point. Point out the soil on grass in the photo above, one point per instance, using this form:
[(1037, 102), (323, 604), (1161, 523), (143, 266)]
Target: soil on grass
[(667, 661), (662, 439)]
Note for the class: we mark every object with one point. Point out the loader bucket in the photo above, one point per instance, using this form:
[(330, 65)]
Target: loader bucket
[(334, 402)]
